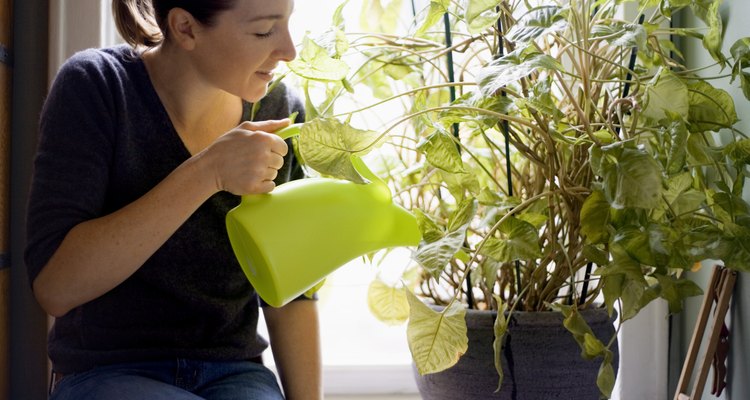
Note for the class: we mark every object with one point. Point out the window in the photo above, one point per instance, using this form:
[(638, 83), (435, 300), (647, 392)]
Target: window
[(360, 354)]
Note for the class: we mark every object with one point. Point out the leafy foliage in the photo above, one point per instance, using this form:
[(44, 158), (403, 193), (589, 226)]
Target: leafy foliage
[(559, 177)]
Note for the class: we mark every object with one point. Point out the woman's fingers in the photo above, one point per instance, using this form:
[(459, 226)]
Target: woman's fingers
[(247, 160)]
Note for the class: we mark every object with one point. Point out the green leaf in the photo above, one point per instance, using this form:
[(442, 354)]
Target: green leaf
[(595, 218), (535, 219), (313, 62), (459, 183), (639, 180), (710, 108), (577, 326), (706, 242), (520, 242), (739, 151), (481, 14), (595, 255), (327, 144), (605, 379), (543, 102), (676, 290), (731, 204), (708, 12), (677, 152), (338, 19), (431, 231), (537, 22), (740, 50), (435, 13), (441, 151), (375, 78), (688, 202), (434, 256), (738, 244), (741, 53), (376, 17), (592, 347), (459, 114), (637, 243), (463, 214), (436, 339), (397, 72), (388, 304), (489, 197), (666, 92), (501, 329), (618, 34), (334, 41), (676, 185), (513, 67), (612, 287), (622, 264), (634, 298), (699, 150), (489, 269)]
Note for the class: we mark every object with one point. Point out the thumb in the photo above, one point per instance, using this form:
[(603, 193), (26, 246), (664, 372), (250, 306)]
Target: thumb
[(271, 125)]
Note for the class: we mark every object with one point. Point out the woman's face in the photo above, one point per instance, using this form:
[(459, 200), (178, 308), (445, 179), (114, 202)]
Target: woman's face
[(245, 44)]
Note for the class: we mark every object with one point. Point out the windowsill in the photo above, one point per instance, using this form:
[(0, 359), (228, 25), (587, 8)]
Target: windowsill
[(361, 355)]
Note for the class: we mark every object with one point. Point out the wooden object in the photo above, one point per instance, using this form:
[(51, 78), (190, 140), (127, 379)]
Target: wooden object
[(717, 300), (6, 59)]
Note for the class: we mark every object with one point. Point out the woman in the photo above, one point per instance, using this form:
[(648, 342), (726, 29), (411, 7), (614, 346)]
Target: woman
[(143, 149)]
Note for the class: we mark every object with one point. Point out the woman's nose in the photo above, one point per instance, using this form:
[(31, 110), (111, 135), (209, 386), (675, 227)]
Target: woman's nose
[(286, 50)]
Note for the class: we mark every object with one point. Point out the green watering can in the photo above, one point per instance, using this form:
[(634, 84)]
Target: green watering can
[(289, 240)]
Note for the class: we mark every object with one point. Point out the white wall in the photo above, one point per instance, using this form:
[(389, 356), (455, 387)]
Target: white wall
[(734, 13), (75, 25)]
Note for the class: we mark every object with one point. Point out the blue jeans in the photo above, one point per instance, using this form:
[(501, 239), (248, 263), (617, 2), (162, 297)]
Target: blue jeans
[(171, 380)]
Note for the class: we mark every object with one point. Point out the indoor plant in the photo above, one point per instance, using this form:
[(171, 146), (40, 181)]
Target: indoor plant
[(564, 157)]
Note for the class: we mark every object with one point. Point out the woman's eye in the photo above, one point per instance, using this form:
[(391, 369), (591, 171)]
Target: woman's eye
[(264, 35)]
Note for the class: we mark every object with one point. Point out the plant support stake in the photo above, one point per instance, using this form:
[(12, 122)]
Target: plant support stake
[(506, 136)]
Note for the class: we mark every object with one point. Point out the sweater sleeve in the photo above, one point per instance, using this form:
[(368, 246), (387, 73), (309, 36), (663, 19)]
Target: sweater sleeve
[(73, 157)]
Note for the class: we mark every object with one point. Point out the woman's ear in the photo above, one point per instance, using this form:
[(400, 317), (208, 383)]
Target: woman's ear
[(182, 28)]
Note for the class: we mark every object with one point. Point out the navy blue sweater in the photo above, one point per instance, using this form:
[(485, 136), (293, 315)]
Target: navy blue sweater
[(105, 140)]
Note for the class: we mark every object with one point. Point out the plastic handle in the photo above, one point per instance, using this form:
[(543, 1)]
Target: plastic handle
[(289, 131)]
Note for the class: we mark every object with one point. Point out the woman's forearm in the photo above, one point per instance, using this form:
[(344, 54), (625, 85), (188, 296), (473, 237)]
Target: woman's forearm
[(99, 254), (295, 342)]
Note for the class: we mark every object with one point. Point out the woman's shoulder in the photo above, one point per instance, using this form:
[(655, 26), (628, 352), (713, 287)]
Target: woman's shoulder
[(100, 62)]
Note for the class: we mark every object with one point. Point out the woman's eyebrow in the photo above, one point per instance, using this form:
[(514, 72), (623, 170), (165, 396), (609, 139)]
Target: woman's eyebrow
[(265, 17)]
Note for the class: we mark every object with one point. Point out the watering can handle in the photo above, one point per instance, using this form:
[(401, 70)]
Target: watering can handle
[(289, 131), (359, 165)]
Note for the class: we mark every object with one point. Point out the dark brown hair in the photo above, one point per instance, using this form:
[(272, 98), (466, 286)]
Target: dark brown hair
[(143, 22)]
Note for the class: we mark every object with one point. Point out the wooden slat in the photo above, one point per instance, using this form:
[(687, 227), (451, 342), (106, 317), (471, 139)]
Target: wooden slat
[(5, 112), (695, 342), (4, 333), (725, 294), (6, 40), (6, 11), (720, 290)]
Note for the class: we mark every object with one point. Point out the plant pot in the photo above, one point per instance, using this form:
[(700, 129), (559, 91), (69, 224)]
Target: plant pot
[(541, 360)]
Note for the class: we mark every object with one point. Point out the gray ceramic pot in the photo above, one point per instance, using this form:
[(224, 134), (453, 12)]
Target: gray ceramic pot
[(541, 360)]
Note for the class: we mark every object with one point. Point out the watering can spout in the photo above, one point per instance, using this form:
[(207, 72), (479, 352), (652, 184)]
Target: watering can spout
[(289, 240)]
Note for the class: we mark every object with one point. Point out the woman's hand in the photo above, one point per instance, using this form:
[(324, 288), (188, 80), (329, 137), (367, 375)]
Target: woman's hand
[(247, 159)]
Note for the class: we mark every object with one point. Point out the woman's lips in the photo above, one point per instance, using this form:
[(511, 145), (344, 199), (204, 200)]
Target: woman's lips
[(265, 75)]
